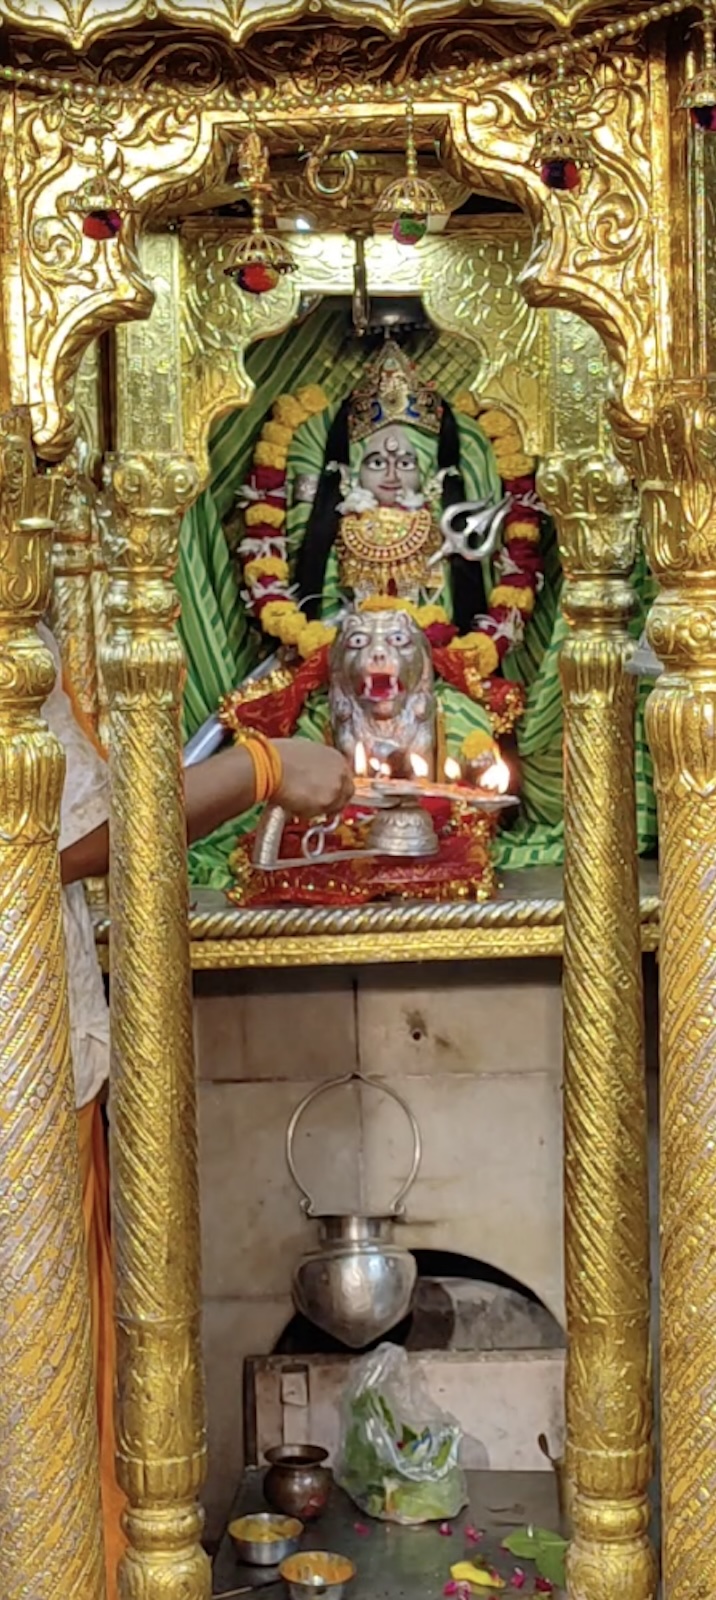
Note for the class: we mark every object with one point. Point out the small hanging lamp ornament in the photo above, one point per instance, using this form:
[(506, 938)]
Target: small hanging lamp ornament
[(410, 200), (699, 96), (101, 201), (258, 262), (560, 152)]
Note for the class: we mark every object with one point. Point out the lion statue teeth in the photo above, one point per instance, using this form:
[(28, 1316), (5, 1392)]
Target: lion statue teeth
[(382, 693)]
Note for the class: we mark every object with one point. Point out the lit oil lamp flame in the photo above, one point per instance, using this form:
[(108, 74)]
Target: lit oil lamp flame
[(360, 764), (496, 778), (419, 766), (452, 770)]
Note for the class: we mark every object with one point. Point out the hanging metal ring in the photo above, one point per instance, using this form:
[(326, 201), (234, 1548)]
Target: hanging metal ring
[(328, 191), (398, 1206)]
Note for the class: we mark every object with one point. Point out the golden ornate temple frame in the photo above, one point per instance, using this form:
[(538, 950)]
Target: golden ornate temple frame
[(630, 256)]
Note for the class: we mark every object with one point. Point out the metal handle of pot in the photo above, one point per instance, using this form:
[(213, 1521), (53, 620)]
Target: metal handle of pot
[(398, 1206)]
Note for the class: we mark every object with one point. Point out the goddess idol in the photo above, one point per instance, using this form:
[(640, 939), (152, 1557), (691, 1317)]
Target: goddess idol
[(358, 560)]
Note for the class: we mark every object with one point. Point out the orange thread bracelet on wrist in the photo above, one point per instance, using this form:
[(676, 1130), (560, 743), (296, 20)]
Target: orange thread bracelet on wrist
[(268, 768)]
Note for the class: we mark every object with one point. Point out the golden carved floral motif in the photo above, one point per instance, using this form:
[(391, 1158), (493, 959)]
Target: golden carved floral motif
[(468, 284), (676, 465), (75, 287), (218, 324), (80, 21), (592, 250)]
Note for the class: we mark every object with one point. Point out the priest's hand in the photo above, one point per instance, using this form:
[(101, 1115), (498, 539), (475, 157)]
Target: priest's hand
[(317, 780)]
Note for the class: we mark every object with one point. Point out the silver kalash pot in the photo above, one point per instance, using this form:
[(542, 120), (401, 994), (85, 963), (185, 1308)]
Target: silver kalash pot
[(358, 1283)]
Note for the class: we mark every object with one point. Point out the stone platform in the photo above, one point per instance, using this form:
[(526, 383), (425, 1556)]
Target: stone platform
[(403, 1563)]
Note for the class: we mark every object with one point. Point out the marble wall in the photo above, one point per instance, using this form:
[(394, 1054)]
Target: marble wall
[(475, 1050)]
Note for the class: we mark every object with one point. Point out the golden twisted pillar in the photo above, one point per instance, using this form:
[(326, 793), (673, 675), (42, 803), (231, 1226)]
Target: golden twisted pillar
[(161, 1429), (605, 1117), (49, 1474), (677, 470), (72, 608)]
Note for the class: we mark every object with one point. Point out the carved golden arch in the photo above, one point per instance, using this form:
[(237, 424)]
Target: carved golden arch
[(467, 283), (594, 251)]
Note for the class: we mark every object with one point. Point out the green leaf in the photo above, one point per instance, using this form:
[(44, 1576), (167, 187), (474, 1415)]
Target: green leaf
[(551, 1562), (522, 1543), (540, 1546)]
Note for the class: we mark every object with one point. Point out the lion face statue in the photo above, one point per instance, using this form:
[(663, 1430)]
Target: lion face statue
[(381, 687)]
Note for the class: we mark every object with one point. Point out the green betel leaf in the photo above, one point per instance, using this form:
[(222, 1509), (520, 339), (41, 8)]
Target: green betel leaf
[(551, 1560), (522, 1543), (536, 1544)]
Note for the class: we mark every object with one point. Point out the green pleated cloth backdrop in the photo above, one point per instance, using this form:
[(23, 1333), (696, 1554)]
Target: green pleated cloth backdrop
[(222, 645)]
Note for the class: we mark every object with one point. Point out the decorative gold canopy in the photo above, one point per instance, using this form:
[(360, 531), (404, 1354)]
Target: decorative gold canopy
[(78, 22)]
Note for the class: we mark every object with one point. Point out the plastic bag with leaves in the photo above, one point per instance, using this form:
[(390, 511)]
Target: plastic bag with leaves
[(398, 1456)]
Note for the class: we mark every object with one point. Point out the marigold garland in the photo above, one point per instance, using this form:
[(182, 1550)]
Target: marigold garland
[(264, 550), (519, 565)]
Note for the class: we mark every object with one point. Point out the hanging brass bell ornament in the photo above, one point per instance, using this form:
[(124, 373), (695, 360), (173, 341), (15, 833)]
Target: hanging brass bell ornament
[(102, 203), (699, 96), (409, 201), (258, 262), (561, 154)]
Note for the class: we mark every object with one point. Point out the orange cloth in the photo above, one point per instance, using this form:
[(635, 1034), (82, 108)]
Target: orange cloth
[(95, 1203)]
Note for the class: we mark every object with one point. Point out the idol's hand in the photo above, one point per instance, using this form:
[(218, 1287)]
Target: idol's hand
[(317, 781)]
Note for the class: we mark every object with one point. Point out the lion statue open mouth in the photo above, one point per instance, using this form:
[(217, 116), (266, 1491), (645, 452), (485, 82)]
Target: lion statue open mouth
[(381, 692)]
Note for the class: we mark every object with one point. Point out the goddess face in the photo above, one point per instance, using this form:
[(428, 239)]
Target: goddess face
[(389, 468)]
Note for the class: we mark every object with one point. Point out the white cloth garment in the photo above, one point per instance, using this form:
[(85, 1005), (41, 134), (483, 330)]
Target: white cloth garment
[(85, 806)]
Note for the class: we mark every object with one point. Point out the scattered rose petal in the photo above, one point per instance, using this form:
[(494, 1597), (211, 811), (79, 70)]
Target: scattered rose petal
[(459, 1591), (543, 1586), (361, 1530), (518, 1578), (473, 1534), (446, 1530)]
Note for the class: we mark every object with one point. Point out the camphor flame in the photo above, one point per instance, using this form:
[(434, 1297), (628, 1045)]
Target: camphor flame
[(419, 766), (496, 778)]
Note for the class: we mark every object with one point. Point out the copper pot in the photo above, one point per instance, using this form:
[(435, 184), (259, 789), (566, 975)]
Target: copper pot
[(298, 1483)]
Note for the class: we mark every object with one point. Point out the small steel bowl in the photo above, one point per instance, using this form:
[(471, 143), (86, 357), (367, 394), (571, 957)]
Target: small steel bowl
[(316, 1572), (286, 1534)]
